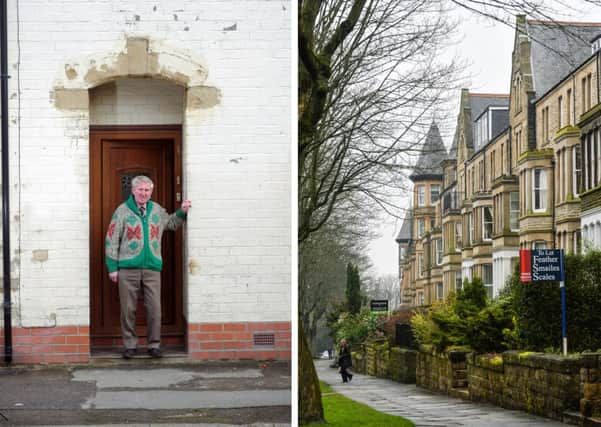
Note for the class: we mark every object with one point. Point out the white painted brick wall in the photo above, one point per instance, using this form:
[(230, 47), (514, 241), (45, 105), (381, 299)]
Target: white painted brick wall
[(236, 155)]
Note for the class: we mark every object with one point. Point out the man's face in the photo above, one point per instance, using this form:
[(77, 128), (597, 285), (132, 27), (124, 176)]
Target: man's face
[(142, 193)]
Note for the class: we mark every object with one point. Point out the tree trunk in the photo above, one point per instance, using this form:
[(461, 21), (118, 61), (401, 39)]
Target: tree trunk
[(310, 409)]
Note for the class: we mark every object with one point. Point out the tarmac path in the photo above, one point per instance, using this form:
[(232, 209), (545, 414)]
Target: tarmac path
[(423, 407)]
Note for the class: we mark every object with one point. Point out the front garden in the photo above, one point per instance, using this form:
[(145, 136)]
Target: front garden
[(504, 351)]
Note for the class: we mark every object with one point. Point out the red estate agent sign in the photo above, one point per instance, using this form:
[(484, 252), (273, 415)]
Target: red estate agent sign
[(525, 266)]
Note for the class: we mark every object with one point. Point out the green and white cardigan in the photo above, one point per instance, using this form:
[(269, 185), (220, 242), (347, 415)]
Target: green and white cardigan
[(133, 241)]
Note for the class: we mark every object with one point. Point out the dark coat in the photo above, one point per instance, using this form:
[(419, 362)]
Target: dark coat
[(344, 359)]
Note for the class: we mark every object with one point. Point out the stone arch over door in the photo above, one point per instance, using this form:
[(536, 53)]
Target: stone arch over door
[(136, 57)]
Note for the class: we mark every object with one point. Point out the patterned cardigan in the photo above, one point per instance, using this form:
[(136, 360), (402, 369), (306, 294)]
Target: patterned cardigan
[(133, 241)]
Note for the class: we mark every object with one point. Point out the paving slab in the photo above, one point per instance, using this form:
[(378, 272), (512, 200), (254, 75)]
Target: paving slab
[(147, 393), (423, 407)]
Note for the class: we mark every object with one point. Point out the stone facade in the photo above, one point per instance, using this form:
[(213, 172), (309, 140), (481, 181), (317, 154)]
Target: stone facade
[(530, 179)]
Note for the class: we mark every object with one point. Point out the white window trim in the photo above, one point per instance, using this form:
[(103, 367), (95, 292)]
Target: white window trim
[(439, 291), (539, 242), (470, 225), (421, 191), (488, 286), (458, 244), (487, 239), (421, 230), (432, 201), (543, 189), (458, 274), (514, 210), (438, 246)]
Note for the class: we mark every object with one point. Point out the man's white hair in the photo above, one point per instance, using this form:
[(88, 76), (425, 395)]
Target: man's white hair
[(141, 179)]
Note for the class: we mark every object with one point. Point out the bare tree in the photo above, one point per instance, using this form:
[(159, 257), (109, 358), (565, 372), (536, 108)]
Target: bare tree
[(386, 287), (323, 258), (369, 77)]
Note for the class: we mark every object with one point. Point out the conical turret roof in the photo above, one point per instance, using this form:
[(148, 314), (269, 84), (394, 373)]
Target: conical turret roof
[(433, 152), (406, 233)]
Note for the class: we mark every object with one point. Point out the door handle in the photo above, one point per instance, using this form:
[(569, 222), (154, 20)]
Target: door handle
[(178, 197)]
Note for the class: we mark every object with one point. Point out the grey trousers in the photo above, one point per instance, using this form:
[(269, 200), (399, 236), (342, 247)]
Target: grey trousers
[(130, 282)]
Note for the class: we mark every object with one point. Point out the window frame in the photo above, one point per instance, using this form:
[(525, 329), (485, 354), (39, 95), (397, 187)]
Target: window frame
[(458, 236), (432, 199), (459, 285), (540, 191), (488, 285), (421, 227), (439, 291), (539, 244), (514, 211), (421, 195), (487, 234)]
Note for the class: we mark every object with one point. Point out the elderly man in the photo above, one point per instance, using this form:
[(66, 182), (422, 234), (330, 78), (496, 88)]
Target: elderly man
[(133, 259)]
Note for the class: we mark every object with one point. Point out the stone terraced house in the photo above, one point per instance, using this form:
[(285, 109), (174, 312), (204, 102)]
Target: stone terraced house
[(197, 96), (524, 169)]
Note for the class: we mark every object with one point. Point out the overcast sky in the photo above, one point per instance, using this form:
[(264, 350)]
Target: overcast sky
[(487, 47)]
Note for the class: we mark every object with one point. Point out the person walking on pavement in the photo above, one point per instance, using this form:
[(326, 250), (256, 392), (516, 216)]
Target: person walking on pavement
[(345, 361), (133, 260)]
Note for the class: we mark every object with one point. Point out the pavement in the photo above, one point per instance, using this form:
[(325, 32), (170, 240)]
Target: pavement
[(147, 392), (423, 407)]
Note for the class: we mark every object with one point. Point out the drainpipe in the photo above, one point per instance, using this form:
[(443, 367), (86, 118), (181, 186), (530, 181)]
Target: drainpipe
[(553, 205), (8, 338)]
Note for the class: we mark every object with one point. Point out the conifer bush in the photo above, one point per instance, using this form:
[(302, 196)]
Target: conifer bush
[(537, 307), (467, 320)]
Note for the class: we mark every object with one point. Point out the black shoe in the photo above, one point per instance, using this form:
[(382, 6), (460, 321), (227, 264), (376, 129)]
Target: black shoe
[(155, 353), (350, 377), (128, 353)]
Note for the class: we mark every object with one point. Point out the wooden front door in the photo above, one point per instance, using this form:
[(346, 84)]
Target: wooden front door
[(117, 154)]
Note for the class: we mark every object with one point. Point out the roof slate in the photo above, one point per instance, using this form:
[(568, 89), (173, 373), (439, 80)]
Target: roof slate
[(432, 153), (556, 49), (406, 232)]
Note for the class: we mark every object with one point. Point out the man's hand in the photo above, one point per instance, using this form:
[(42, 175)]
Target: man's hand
[(186, 204), (114, 276)]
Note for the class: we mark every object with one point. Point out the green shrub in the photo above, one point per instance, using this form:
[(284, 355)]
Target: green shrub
[(357, 328), (486, 330), (467, 320), (439, 327), (538, 306), (471, 298)]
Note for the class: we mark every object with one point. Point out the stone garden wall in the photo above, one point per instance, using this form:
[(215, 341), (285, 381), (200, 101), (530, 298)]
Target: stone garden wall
[(441, 372), (378, 360), (553, 386)]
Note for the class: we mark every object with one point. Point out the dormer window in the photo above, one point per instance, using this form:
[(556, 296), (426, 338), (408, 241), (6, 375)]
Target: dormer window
[(596, 44)]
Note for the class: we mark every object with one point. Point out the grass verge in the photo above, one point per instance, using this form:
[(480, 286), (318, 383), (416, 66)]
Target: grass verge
[(340, 411)]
